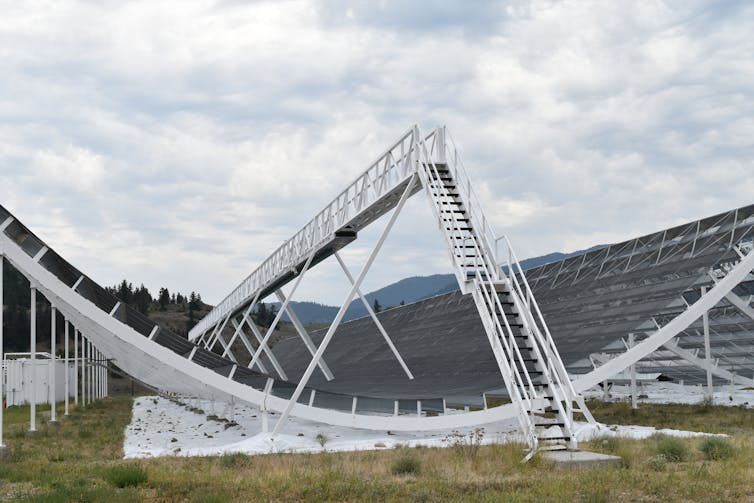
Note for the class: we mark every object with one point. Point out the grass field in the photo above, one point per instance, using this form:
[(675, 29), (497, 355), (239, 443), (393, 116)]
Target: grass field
[(80, 460)]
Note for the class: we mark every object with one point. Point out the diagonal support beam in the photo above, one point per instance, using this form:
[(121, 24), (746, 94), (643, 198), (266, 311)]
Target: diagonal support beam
[(741, 304), (248, 346), (226, 348), (342, 311), (303, 333), (264, 343), (218, 334), (373, 315), (671, 329), (690, 357)]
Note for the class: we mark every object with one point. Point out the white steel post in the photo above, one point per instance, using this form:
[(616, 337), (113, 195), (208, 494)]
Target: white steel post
[(2, 354), (67, 377), (33, 358), (707, 350), (83, 371), (342, 311), (76, 336), (51, 387), (89, 371), (633, 375)]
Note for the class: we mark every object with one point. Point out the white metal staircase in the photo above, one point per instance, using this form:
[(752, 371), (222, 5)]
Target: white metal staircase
[(532, 370)]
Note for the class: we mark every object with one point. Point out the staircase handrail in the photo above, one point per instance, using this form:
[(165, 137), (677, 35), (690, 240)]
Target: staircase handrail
[(513, 265)]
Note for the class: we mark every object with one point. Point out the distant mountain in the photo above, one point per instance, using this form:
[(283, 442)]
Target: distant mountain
[(406, 290)]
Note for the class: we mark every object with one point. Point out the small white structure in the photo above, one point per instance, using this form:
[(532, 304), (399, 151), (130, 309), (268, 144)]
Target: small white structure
[(17, 376)]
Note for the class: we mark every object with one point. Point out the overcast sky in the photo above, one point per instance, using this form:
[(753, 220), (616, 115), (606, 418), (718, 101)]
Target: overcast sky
[(179, 143)]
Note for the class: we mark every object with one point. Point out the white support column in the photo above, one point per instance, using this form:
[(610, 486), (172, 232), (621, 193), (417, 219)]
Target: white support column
[(99, 373), (270, 330), (90, 371), (342, 311), (33, 358), (83, 370), (218, 334), (247, 344), (707, 350), (76, 336), (634, 398), (66, 408), (51, 367), (303, 333), (2, 350), (376, 320)]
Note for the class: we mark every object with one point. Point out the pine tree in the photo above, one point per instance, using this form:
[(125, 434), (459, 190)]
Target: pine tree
[(377, 306), (164, 298)]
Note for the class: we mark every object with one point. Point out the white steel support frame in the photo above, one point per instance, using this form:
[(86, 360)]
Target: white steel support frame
[(271, 329), (66, 334), (707, 350), (133, 351), (374, 318), (90, 371), (634, 397), (250, 348), (76, 336), (705, 364), (302, 332), (218, 335), (33, 358), (342, 311), (82, 370), (51, 367), (2, 347), (674, 327)]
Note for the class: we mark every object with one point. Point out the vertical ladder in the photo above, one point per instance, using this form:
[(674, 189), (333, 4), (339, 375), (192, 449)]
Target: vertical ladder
[(530, 365)]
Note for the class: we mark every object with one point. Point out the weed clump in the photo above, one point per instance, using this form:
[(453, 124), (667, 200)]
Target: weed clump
[(657, 463), (608, 443), (321, 438), (716, 448), (235, 459), (672, 448), (126, 476), (406, 465), (465, 446)]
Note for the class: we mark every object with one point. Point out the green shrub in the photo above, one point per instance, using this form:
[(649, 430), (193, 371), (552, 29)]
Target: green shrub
[(126, 476), (674, 449), (715, 448), (406, 465)]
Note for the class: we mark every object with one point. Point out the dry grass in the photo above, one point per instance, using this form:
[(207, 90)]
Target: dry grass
[(75, 461)]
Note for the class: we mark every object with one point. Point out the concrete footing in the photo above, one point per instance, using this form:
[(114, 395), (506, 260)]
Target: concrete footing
[(32, 433), (581, 459), (3, 451)]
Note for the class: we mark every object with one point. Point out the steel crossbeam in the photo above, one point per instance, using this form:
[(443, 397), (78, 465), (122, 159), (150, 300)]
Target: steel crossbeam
[(264, 343), (372, 314), (705, 364), (302, 332)]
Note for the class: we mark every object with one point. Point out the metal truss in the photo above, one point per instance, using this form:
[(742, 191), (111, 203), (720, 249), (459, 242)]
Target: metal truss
[(726, 280)]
